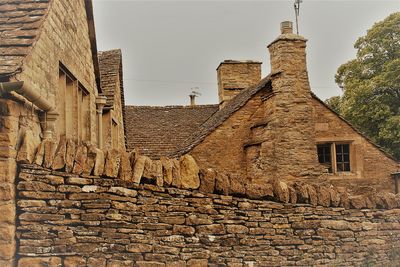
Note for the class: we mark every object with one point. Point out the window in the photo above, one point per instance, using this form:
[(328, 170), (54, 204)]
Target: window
[(334, 156), (73, 107), (324, 156), (342, 157)]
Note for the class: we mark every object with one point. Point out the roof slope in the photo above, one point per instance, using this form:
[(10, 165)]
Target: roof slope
[(158, 131), (110, 64), (219, 117), (20, 26), (21, 23)]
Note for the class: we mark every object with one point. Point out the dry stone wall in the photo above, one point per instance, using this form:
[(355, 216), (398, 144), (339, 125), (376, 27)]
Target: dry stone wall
[(83, 220)]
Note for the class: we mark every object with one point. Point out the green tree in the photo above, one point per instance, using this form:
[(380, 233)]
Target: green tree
[(371, 85)]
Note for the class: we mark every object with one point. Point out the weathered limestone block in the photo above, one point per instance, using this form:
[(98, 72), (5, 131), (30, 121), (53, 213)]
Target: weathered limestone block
[(312, 195), (70, 156), (357, 202), (42, 261), (125, 170), (222, 184), (387, 200), (344, 197), (236, 229), (207, 180), (302, 194), (45, 153), (113, 161), (167, 166), (148, 171), (292, 195), (176, 174), (74, 261), (197, 262), (324, 197), (189, 172), (90, 160), (281, 191), (238, 185), (80, 159), (335, 197), (27, 150), (96, 262), (158, 172), (216, 229), (59, 158), (138, 169), (259, 189), (99, 162)]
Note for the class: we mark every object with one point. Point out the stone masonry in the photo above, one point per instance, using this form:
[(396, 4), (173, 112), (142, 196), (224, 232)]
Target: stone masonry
[(69, 220)]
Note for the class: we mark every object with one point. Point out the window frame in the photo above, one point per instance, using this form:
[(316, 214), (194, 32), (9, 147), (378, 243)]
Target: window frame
[(334, 162)]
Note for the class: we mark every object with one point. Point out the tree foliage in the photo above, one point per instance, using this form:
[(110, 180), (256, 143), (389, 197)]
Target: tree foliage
[(371, 85)]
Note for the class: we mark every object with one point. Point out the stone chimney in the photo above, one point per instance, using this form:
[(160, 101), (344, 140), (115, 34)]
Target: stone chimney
[(288, 52), (292, 122), (234, 76)]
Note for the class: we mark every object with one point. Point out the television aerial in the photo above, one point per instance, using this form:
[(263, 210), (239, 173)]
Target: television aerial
[(297, 13)]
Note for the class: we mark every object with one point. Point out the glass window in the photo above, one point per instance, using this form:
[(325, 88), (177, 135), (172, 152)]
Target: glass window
[(324, 156), (343, 157)]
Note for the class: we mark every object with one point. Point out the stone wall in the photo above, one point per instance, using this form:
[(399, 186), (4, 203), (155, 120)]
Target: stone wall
[(64, 38), (70, 220), (370, 166)]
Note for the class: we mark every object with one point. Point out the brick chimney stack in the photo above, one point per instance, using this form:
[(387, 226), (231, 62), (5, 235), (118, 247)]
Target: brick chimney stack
[(236, 75)]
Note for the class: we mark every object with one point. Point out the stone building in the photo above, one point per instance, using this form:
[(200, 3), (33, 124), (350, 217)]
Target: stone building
[(267, 128)]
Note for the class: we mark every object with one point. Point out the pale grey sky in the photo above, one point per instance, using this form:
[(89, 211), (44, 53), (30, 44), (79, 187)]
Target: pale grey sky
[(171, 46)]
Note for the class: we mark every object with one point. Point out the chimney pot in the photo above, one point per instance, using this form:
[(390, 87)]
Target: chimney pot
[(286, 27)]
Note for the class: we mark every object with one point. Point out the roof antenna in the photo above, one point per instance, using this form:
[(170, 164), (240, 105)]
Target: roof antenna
[(193, 96), (297, 12)]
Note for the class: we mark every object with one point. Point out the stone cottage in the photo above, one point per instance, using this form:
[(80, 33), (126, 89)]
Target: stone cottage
[(267, 128)]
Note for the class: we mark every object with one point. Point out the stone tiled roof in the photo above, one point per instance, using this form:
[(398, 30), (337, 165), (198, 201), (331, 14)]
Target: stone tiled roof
[(21, 22), (20, 25), (219, 117), (157, 131), (110, 64)]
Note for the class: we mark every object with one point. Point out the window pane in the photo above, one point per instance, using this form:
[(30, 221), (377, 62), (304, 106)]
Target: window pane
[(345, 148), (324, 156), (343, 157)]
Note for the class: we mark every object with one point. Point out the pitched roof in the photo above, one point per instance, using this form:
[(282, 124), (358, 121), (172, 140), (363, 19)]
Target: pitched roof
[(369, 140), (20, 26), (157, 131), (221, 115), (110, 64), (21, 23)]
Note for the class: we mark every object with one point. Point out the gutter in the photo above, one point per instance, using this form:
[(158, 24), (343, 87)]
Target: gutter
[(49, 114), (27, 92)]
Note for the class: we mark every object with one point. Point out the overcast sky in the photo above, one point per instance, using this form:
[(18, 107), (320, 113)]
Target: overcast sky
[(170, 47)]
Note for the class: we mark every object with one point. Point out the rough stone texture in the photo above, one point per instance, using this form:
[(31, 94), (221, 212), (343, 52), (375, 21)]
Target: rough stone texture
[(90, 160), (99, 162), (155, 226), (207, 180), (139, 169), (167, 166), (80, 159), (27, 151), (189, 172), (113, 160), (69, 156), (125, 170), (59, 158)]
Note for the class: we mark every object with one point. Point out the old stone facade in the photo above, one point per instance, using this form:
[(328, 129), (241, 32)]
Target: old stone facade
[(276, 128), (270, 175)]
